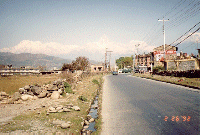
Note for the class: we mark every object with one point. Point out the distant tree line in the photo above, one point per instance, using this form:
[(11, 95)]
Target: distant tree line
[(124, 62), (81, 63)]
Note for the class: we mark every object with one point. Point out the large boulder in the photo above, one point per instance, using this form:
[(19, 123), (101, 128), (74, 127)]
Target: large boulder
[(42, 94), (52, 88), (60, 91), (22, 91), (3, 94), (57, 82), (76, 108), (55, 95), (65, 125), (58, 122), (26, 97), (27, 87), (36, 90), (16, 96)]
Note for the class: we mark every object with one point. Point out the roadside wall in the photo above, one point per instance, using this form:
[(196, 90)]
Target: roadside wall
[(183, 65)]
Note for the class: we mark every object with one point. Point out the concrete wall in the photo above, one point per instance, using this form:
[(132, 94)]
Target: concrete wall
[(183, 65)]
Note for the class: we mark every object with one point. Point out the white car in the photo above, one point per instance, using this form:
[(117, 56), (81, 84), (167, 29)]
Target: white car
[(120, 71)]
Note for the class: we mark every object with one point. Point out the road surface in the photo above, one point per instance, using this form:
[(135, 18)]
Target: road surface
[(136, 106)]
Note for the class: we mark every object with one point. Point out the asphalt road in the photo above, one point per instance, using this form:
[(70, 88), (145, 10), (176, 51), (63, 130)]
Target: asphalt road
[(139, 106)]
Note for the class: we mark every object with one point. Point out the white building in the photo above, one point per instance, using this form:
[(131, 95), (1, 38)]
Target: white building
[(19, 71)]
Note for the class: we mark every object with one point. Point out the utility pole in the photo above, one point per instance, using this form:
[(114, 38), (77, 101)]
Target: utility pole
[(134, 57), (109, 58), (164, 32), (105, 59), (106, 64)]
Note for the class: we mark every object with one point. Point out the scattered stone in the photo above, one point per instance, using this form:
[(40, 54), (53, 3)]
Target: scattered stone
[(18, 102), (53, 111), (65, 125), (30, 93), (60, 91), (48, 95), (51, 108), (36, 90), (86, 122), (89, 117), (82, 124), (69, 106), (61, 110), (66, 110), (10, 101), (55, 95), (91, 120), (27, 87), (42, 94), (26, 97), (85, 127), (22, 91), (58, 122), (76, 108), (35, 97), (52, 88), (16, 96), (95, 107), (3, 94), (60, 86)]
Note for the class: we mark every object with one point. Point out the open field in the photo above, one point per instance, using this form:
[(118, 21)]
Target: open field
[(11, 84), (37, 121), (193, 82)]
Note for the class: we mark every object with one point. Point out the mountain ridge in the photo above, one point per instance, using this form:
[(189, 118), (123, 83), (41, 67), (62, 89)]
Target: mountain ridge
[(33, 60)]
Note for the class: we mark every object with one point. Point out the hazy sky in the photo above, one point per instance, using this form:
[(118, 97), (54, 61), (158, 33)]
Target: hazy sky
[(72, 28)]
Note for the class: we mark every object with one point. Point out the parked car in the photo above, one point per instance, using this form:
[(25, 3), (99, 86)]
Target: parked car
[(126, 70), (137, 71), (120, 71), (115, 73)]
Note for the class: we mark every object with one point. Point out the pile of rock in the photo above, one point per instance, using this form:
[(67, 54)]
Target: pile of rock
[(33, 92), (87, 122), (61, 108), (62, 124), (3, 96), (50, 90)]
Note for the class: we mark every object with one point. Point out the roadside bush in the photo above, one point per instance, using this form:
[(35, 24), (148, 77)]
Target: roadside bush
[(158, 69), (82, 98), (68, 88), (95, 81)]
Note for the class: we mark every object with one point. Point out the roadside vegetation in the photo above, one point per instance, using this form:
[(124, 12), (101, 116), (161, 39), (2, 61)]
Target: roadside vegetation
[(11, 84), (190, 82), (81, 93)]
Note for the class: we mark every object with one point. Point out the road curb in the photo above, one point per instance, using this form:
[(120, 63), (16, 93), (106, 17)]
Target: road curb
[(187, 86)]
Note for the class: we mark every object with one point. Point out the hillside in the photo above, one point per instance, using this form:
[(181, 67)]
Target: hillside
[(34, 60)]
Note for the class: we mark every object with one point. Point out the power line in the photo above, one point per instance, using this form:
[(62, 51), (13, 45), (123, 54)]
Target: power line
[(188, 46), (188, 36), (185, 33)]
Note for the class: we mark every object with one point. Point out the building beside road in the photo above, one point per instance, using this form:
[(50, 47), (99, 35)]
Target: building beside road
[(9, 70), (144, 61), (97, 68), (171, 60), (160, 57)]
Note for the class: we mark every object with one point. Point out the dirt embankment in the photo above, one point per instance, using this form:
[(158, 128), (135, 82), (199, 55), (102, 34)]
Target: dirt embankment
[(34, 116)]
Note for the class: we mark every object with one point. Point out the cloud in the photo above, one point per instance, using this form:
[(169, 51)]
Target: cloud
[(92, 50), (194, 38), (51, 48)]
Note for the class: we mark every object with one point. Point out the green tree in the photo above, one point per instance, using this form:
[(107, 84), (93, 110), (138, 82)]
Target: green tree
[(124, 62), (81, 63)]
